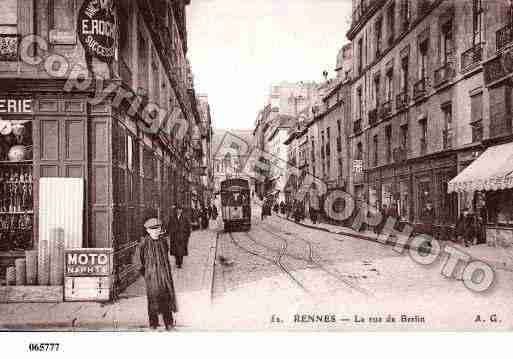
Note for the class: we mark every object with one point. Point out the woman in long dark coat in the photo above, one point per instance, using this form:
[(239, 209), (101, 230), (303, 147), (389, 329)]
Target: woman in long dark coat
[(156, 270), (179, 229)]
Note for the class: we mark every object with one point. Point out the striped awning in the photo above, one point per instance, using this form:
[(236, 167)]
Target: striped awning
[(491, 171)]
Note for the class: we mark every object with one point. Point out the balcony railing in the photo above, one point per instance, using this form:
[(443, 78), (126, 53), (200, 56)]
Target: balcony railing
[(447, 139), (401, 100), (444, 74), (386, 109), (504, 37), (9, 47), (477, 131), (472, 57), (423, 146), (501, 127), (420, 87), (357, 126), (373, 116)]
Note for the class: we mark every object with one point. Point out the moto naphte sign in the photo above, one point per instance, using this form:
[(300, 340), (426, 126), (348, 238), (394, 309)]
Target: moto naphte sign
[(88, 262)]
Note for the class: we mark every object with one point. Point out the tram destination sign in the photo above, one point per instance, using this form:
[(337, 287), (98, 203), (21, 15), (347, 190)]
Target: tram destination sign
[(88, 262)]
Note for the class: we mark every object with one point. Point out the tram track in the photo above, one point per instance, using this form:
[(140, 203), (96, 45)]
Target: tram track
[(341, 277), (276, 259)]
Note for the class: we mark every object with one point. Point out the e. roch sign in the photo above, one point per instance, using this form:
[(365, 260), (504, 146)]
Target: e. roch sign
[(90, 262), (98, 28)]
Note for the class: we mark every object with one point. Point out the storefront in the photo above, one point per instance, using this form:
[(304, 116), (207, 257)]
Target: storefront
[(488, 183), (415, 191), (123, 177)]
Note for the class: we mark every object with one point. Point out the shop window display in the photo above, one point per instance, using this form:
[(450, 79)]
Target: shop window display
[(16, 178)]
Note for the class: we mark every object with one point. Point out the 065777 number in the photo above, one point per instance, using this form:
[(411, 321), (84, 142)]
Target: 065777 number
[(44, 347)]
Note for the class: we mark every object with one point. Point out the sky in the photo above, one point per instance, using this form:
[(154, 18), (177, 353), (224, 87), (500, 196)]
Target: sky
[(239, 48)]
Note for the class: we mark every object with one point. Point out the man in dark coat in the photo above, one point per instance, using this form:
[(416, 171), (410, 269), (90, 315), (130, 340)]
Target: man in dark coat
[(156, 270), (179, 229), (204, 218), (214, 212)]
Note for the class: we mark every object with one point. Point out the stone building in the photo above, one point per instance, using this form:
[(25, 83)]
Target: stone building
[(93, 105), (420, 103)]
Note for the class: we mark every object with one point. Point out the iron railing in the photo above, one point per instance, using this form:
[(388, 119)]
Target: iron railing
[(386, 109), (401, 100), (9, 47), (504, 37), (420, 88), (444, 74), (472, 57)]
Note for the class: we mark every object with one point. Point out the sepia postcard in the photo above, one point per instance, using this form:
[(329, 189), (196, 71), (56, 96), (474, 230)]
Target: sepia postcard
[(271, 165)]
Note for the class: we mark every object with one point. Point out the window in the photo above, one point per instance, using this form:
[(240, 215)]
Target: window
[(155, 79), (404, 137), (476, 117), (446, 44), (359, 102), (405, 14), (404, 74), (388, 136), (340, 168), (423, 136), (338, 127), (389, 85), (375, 143), (63, 12), (378, 34), (447, 133), (391, 24), (359, 151), (425, 209), (143, 62), (477, 22), (360, 56), (376, 91), (124, 34), (423, 59)]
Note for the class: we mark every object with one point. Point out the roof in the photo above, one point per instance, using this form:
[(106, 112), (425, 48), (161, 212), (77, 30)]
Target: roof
[(491, 171)]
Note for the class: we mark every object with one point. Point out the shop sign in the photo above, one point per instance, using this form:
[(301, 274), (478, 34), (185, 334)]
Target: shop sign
[(88, 262), (98, 29), (15, 105)]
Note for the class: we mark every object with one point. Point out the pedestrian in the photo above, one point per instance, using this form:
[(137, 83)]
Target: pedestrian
[(204, 218), (313, 214), (282, 207), (209, 211), (179, 229), (288, 209), (156, 270), (214, 212)]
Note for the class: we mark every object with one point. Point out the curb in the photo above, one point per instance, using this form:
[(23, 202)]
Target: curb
[(496, 265), (211, 262)]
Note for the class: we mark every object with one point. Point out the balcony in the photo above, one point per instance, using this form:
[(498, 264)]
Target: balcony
[(444, 74), (498, 68), (357, 126), (373, 116), (402, 100), (399, 154), (386, 109), (423, 146), (9, 47), (504, 37), (477, 131), (471, 58), (447, 139), (420, 88)]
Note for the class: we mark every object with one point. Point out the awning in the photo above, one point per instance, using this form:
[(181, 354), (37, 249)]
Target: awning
[(492, 171)]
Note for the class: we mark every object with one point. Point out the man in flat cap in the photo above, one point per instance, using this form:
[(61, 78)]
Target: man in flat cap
[(156, 269)]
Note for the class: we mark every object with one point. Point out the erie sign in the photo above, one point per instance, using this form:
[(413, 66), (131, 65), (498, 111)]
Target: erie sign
[(88, 262)]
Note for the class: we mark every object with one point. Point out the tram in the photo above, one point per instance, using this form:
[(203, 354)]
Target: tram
[(236, 204)]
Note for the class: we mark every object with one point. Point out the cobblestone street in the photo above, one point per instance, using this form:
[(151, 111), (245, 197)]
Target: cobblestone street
[(352, 279)]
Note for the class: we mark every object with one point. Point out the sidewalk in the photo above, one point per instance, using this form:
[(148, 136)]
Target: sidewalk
[(193, 284), (498, 257)]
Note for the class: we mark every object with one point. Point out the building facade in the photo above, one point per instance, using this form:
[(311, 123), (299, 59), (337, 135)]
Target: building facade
[(420, 105), (73, 126)]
